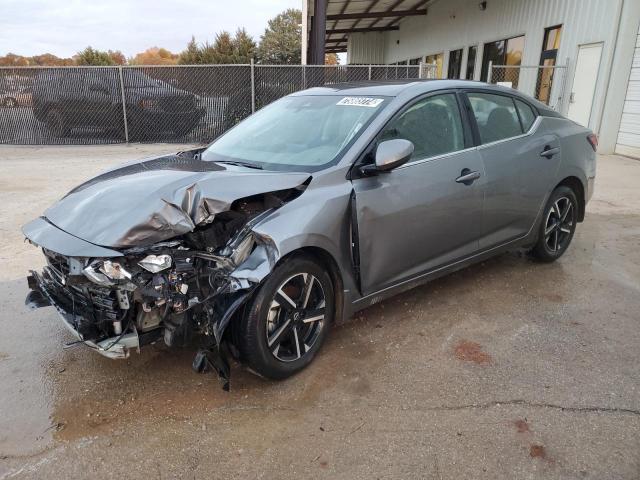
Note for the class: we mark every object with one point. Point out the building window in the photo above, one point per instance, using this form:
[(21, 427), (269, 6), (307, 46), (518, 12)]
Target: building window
[(471, 62), (455, 63), (437, 59), (548, 58), (503, 52)]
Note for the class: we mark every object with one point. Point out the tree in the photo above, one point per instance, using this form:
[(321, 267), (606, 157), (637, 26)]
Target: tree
[(281, 41), (118, 57), (90, 56), (222, 49), (155, 56), (50, 60), (244, 47), (46, 59), (331, 59), (13, 60), (191, 55)]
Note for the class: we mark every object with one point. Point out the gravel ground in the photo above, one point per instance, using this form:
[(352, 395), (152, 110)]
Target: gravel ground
[(508, 369)]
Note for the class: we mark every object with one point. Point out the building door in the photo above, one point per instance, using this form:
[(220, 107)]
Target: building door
[(548, 59), (629, 134), (584, 83)]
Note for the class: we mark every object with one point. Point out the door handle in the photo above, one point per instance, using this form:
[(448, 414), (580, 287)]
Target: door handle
[(549, 152), (467, 176)]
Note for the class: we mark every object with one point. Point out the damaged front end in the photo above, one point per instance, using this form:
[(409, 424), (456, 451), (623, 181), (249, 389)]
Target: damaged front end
[(184, 291)]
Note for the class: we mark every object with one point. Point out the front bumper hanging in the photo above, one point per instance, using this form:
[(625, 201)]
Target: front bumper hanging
[(115, 347)]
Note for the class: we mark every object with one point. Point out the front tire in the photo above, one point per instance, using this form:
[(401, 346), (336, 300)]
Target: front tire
[(558, 225), (288, 319)]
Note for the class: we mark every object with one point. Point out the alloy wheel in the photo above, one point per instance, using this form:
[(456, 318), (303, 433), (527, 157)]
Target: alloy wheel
[(559, 225), (296, 317)]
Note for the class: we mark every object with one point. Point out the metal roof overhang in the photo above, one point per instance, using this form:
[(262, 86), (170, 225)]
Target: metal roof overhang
[(352, 16)]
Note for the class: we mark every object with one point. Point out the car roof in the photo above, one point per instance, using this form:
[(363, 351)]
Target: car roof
[(413, 87), (392, 88)]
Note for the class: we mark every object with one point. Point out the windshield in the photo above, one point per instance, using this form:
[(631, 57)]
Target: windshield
[(296, 133)]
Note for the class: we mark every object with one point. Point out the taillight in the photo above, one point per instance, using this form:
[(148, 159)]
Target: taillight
[(593, 141)]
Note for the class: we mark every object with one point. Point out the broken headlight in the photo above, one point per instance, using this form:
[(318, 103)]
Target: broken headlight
[(243, 250), (114, 270), (106, 273), (96, 276), (155, 263)]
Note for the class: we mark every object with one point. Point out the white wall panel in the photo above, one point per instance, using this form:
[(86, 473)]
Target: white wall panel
[(366, 48), (452, 24), (629, 133)]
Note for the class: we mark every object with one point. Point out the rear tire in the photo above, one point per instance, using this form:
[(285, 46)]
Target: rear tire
[(288, 319), (558, 225)]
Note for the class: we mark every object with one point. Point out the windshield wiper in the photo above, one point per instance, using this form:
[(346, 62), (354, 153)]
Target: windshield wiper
[(240, 164)]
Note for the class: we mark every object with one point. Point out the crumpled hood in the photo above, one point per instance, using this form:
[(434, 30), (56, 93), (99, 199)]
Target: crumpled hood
[(146, 202)]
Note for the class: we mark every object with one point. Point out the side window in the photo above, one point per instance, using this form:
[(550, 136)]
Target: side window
[(433, 125), (495, 115), (527, 115)]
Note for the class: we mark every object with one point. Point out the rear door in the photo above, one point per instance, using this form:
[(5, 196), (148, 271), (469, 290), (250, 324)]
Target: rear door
[(519, 160), (422, 214)]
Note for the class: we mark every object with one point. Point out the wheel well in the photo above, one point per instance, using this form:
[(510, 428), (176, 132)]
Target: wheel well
[(323, 258), (326, 260), (575, 184)]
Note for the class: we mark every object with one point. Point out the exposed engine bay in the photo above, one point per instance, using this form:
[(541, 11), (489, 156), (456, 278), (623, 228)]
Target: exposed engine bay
[(183, 291)]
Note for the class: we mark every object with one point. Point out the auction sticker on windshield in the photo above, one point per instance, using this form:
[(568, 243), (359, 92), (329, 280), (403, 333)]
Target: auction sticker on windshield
[(360, 101)]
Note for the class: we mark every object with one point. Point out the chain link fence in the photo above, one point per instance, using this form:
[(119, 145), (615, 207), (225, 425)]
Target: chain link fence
[(547, 83), (186, 104)]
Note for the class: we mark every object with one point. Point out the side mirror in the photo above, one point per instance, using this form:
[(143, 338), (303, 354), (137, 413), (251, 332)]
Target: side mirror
[(390, 154)]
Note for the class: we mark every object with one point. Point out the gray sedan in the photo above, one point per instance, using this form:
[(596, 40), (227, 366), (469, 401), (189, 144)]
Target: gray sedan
[(319, 205)]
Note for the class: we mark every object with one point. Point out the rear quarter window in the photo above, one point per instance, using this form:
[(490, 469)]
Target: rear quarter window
[(527, 115)]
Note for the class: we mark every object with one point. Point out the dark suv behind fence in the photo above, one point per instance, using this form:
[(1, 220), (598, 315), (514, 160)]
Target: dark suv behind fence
[(171, 103), (92, 100)]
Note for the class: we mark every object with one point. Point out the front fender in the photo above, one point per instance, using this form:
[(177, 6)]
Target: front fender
[(319, 218)]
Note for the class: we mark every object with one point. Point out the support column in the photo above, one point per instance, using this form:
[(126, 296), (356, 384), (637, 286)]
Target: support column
[(318, 31)]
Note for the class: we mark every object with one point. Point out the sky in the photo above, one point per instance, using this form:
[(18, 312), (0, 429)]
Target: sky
[(64, 27)]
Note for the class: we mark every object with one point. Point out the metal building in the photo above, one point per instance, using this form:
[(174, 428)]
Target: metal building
[(590, 50)]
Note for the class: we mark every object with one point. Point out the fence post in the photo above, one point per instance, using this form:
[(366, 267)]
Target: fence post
[(304, 77), (490, 71), (253, 87), (124, 106), (369, 72)]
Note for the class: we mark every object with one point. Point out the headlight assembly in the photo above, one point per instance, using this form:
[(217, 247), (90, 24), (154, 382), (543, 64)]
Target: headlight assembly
[(155, 263), (243, 250), (114, 270), (97, 277)]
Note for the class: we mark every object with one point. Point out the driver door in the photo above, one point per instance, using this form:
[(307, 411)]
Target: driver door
[(422, 215)]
